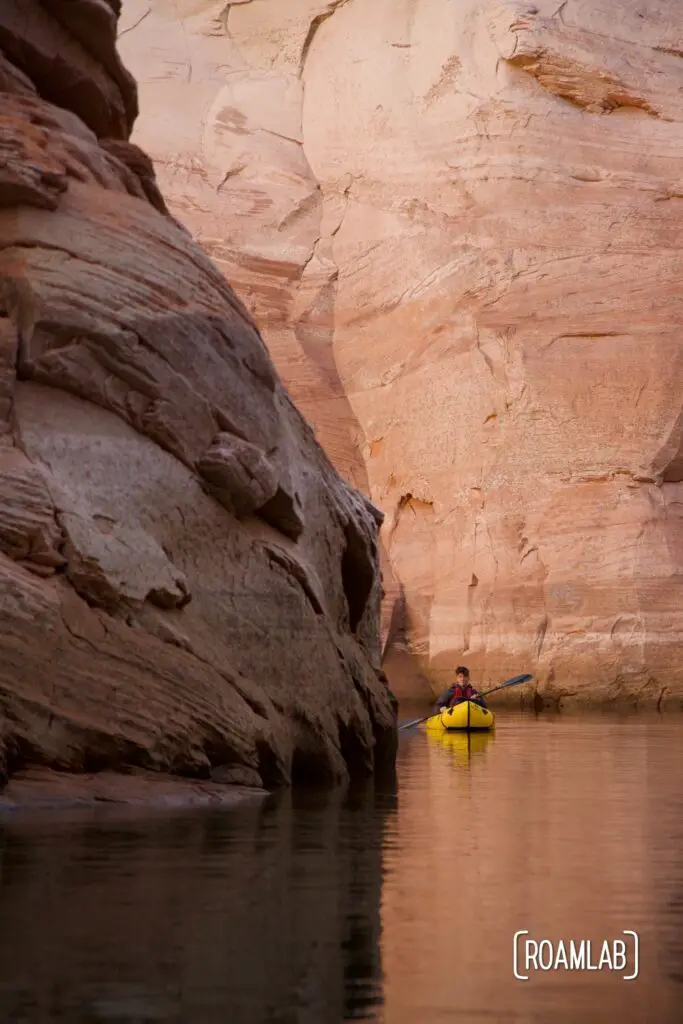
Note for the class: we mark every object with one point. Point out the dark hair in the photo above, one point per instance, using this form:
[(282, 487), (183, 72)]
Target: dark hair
[(461, 670)]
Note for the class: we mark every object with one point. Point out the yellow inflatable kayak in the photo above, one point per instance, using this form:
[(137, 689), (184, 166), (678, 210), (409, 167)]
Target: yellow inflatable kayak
[(466, 716)]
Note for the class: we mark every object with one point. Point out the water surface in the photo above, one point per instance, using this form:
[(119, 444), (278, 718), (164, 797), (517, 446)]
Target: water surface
[(379, 906)]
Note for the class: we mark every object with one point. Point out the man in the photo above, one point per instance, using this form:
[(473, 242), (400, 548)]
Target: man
[(460, 690)]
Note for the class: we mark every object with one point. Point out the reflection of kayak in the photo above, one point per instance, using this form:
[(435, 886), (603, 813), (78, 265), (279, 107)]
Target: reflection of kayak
[(461, 744), (466, 716)]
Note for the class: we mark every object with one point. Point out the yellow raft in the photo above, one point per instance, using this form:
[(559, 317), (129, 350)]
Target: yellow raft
[(467, 717)]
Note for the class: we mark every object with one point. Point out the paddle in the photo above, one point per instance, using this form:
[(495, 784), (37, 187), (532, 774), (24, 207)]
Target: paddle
[(515, 681)]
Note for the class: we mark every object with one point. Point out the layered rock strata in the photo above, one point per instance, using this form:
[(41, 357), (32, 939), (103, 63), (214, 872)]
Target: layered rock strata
[(185, 582)]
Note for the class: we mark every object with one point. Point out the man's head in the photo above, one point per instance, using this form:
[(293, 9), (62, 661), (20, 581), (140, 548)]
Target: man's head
[(462, 675)]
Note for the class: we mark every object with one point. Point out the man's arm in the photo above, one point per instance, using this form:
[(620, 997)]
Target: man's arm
[(442, 699)]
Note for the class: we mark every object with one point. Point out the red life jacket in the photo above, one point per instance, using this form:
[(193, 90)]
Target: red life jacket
[(465, 692)]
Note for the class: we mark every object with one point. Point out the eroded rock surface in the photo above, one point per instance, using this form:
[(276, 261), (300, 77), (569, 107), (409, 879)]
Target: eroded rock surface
[(175, 586), (460, 224)]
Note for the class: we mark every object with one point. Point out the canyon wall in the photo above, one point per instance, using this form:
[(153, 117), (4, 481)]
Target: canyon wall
[(186, 584), (459, 223)]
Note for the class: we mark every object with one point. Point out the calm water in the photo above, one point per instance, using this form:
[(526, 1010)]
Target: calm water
[(396, 907)]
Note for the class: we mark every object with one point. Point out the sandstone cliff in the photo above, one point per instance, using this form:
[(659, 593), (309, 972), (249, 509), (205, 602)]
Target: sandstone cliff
[(185, 582), (459, 222)]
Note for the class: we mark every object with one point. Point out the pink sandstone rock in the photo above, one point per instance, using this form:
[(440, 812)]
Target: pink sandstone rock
[(459, 226), (186, 584)]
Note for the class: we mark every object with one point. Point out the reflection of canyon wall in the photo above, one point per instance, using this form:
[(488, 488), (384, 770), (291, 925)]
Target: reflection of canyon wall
[(511, 839), (460, 224), (256, 915)]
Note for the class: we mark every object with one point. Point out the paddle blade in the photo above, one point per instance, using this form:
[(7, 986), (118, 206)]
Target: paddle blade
[(415, 721), (515, 681)]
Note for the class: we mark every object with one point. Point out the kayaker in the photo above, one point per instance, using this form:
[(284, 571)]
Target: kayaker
[(459, 691)]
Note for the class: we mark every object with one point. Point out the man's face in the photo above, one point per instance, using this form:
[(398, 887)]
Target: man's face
[(460, 679)]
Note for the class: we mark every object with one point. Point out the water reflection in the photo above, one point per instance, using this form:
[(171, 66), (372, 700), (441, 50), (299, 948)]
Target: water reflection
[(463, 749), (665, 815), (568, 827), (318, 910), (266, 913)]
